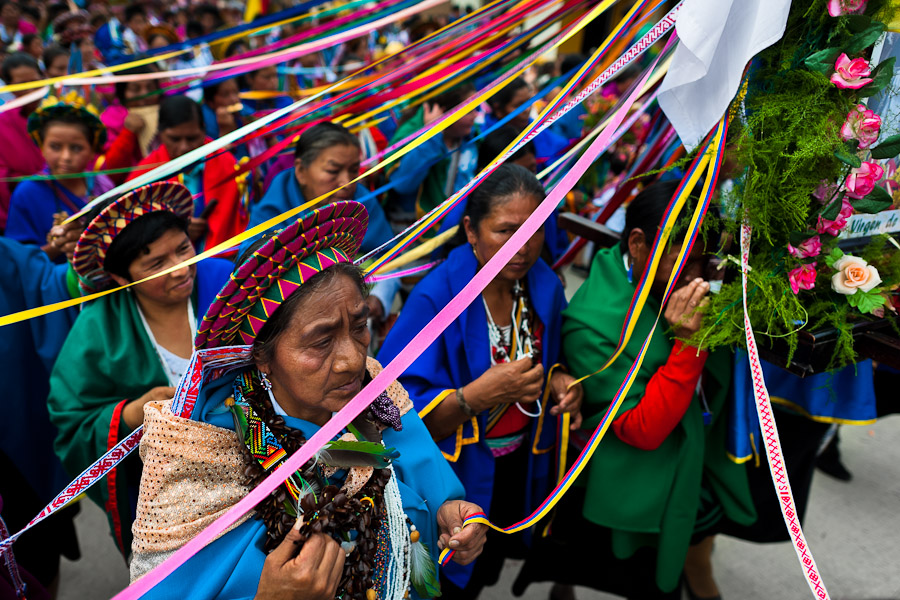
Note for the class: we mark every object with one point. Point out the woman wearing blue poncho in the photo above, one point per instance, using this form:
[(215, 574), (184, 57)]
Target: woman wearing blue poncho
[(365, 518), (479, 386)]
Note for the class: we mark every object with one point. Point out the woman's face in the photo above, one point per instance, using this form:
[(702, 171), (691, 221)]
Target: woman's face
[(59, 66), (172, 248), (334, 167), (181, 139), (320, 360), (66, 149), (137, 93), (25, 74), (463, 127), (88, 51), (506, 216), (265, 80), (36, 48), (694, 266), (228, 94), (521, 120), (527, 160)]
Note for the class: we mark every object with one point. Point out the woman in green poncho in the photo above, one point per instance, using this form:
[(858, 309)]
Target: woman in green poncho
[(660, 485), (128, 348)]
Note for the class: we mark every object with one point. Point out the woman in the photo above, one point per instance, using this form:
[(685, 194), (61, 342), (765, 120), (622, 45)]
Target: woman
[(19, 155), (128, 348), (223, 112), (218, 213), (131, 122), (56, 60), (327, 158), (304, 324), (479, 386), (69, 133), (661, 483), (265, 80)]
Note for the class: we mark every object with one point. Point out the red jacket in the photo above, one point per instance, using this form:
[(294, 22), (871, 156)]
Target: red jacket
[(228, 218)]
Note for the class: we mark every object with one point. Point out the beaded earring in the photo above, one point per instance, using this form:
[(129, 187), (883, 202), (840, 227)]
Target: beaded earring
[(264, 380)]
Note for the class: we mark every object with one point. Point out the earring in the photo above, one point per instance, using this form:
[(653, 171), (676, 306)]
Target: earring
[(474, 251), (264, 379)]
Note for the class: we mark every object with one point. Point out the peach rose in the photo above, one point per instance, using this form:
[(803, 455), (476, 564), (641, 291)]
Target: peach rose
[(853, 273)]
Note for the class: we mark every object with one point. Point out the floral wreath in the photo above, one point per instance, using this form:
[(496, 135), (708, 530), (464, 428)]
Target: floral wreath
[(53, 108)]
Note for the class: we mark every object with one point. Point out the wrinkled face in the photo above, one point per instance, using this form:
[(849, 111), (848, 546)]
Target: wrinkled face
[(265, 80), (521, 120), (183, 138), (320, 360), (59, 66), (172, 248), (228, 94), (334, 167), (136, 93), (66, 148), (506, 216)]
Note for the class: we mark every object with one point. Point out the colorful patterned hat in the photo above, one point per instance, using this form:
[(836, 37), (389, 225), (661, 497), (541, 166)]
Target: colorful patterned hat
[(70, 104), (90, 251), (327, 236)]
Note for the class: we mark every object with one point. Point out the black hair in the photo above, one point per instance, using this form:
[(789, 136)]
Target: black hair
[(53, 52), (208, 9), (122, 86), (571, 61), (135, 240), (15, 61), (454, 96), (210, 91), (320, 137), (646, 211), (31, 12), (505, 95), (193, 29), (277, 324), (27, 39), (134, 10), (497, 141), (177, 110), (70, 118)]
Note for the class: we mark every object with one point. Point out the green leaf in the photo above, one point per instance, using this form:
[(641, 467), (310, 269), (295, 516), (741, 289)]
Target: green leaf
[(848, 156), (822, 61), (865, 38), (857, 23), (881, 77), (888, 148), (866, 302), (875, 202), (835, 256), (831, 211)]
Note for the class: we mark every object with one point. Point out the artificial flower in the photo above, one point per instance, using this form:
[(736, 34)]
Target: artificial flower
[(851, 74), (862, 179), (836, 8), (808, 249), (840, 221), (802, 278), (826, 191), (853, 273), (862, 124)]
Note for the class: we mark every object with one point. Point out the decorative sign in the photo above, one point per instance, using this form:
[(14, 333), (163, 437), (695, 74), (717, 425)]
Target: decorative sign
[(887, 221)]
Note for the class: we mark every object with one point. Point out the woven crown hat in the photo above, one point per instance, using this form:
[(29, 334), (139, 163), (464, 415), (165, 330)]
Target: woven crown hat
[(92, 246), (53, 108), (326, 236)]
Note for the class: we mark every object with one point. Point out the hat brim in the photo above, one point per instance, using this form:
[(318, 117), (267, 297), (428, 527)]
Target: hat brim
[(90, 251), (341, 226)]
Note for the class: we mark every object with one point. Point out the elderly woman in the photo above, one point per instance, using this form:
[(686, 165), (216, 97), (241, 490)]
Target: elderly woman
[(129, 347), (344, 525), (479, 386)]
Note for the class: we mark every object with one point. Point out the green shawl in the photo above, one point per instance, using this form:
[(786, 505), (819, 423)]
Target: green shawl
[(647, 498), (106, 359)]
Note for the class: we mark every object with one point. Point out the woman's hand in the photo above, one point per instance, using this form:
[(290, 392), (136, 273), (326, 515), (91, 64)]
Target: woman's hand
[(467, 543), (432, 112), (517, 381), (313, 573), (134, 122), (681, 309), (133, 412), (568, 400)]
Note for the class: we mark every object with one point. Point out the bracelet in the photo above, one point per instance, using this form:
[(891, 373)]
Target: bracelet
[(463, 405)]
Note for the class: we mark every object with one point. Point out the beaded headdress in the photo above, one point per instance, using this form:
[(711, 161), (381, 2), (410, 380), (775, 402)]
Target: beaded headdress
[(53, 108)]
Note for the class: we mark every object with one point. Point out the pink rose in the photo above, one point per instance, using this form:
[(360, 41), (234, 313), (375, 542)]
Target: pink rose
[(853, 273), (861, 180), (836, 8), (826, 191), (808, 249), (861, 124), (851, 74), (802, 278), (835, 227)]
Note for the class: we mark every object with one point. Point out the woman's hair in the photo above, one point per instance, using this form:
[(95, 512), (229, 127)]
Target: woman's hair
[(177, 110), (647, 209), (266, 340), (16, 60), (27, 39), (75, 118), (53, 52), (135, 240), (455, 95), (210, 91), (497, 141), (122, 86), (505, 95), (320, 137)]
